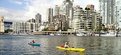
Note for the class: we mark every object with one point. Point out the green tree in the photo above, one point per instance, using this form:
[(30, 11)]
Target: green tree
[(8, 30), (45, 29)]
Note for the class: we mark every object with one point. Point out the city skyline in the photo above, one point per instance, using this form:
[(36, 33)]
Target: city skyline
[(14, 10)]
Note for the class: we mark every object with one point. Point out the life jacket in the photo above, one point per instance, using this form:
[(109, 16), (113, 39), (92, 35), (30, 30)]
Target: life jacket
[(33, 41), (62, 45)]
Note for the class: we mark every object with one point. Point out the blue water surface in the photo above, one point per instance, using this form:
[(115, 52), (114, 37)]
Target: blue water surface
[(18, 45)]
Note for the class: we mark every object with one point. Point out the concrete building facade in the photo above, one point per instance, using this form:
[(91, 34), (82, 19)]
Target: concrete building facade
[(67, 10), (24, 27), (87, 19), (21, 27), (77, 18), (50, 15), (38, 21), (118, 13), (38, 18), (1, 24), (60, 22), (93, 18), (107, 10), (57, 10)]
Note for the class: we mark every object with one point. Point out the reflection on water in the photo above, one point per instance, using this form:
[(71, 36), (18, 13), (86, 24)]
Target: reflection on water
[(18, 45)]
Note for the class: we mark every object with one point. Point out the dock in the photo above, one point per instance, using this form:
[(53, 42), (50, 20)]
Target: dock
[(53, 32)]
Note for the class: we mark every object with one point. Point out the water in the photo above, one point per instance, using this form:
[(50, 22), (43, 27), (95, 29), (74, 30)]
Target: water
[(18, 45)]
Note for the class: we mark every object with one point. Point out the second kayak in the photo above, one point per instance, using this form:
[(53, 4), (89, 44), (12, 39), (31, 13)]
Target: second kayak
[(34, 44)]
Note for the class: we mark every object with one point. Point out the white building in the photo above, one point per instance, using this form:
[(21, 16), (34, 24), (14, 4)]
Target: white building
[(38, 21), (77, 18), (50, 15), (118, 13), (23, 27), (19, 27), (67, 10), (86, 19), (57, 10), (107, 9), (38, 18), (1, 24)]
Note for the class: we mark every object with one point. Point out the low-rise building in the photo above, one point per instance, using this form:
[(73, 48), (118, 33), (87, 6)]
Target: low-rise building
[(23, 27)]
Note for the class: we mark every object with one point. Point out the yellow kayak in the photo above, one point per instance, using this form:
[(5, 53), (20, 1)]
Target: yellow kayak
[(71, 49)]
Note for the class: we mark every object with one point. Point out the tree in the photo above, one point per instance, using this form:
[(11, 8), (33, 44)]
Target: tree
[(45, 29), (105, 29), (8, 30)]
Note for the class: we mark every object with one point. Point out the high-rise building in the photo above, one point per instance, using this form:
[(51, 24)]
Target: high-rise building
[(87, 19), (118, 13), (60, 22), (1, 24), (97, 21), (93, 19), (91, 7), (38, 21), (34, 26), (38, 18), (50, 15), (107, 10), (67, 10), (77, 18), (57, 10), (67, 7)]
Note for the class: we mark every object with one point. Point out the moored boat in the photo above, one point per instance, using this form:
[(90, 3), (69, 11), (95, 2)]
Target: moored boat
[(110, 34)]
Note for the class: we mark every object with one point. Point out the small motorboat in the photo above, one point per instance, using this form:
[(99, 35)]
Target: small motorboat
[(34, 44)]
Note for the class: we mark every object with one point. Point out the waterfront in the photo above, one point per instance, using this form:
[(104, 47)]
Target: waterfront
[(18, 45)]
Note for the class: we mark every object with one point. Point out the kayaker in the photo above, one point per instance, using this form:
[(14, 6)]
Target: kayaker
[(66, 45), (33, 41)]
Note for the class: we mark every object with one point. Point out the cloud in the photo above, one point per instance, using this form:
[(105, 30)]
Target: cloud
[(38, 6), (12, 15), (19, 2)]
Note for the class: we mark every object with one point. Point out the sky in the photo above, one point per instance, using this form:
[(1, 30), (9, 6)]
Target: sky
[(22, 10)]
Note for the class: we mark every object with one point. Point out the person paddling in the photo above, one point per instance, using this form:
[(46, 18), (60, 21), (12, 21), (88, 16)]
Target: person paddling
[(33, 41), (65, 45)]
